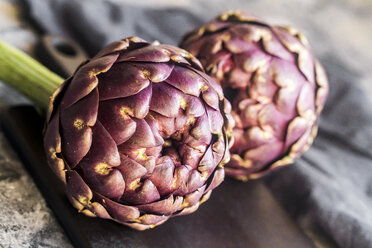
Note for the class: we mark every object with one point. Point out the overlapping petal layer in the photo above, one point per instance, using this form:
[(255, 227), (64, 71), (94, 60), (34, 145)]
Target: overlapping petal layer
[(276, 86), (139, 134)]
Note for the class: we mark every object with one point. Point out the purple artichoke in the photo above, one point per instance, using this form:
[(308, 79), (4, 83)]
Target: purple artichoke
[(276, 86), (139, 134)]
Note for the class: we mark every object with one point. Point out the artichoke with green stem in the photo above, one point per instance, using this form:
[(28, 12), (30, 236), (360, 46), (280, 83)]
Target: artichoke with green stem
[(138, 134), (276, 86)]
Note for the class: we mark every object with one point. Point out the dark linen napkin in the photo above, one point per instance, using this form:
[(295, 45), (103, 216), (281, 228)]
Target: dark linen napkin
[(329, 189)]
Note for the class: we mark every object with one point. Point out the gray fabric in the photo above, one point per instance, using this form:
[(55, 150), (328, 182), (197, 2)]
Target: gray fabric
[(330, 186), (329, 189)]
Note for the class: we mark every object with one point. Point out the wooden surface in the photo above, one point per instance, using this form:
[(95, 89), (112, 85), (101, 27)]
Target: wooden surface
[(237, 214)]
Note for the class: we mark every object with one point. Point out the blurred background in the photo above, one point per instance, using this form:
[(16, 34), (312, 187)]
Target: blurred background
[(340, 32)]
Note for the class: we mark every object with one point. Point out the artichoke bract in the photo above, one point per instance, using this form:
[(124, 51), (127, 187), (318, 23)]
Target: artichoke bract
[(276, 86), (139, 134)]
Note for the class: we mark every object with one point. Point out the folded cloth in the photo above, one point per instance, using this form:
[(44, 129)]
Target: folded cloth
[(330, 186), (96, 23), (329, 189)]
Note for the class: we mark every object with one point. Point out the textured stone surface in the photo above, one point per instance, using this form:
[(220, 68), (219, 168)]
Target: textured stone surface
[(338, 29), (25, 220)]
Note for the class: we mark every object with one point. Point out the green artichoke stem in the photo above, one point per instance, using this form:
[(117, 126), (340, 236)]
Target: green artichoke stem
[(27, 76)]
